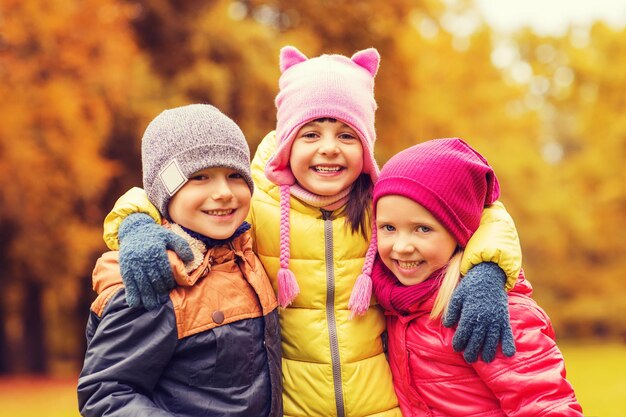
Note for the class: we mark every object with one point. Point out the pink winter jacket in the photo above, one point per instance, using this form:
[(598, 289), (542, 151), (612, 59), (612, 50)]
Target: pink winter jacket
[(431, 379)]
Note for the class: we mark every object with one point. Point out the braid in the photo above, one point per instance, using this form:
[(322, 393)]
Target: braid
[(284, 226), (361, 295), (288, 287), (371, 251)]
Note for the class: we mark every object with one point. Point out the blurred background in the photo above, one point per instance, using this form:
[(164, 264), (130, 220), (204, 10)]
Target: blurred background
[(539, 89)]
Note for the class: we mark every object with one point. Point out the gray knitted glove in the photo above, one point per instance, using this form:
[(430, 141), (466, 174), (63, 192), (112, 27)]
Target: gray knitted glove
[(144, 264), (480, 306)]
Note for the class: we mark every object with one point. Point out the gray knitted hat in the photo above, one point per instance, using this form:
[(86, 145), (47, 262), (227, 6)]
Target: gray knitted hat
[(185, 140)]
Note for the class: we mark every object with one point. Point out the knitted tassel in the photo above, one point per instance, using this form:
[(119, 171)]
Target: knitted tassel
[(360, 296), (288, 287)]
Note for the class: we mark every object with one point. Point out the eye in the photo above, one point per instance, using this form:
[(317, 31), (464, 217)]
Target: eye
[(347, 136), (387, 228), (309, 135), (235, 176), (199, 177), (423, 229)]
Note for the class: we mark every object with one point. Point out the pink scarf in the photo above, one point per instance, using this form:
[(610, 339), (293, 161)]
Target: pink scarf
[(396, 297), (332, 202)]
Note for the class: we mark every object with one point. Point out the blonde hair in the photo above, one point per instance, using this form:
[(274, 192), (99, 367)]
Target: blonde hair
[(448, 284)]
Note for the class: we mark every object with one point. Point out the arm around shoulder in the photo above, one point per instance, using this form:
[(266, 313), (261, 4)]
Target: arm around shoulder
[(263, 154), (497, 241), (134, 200)]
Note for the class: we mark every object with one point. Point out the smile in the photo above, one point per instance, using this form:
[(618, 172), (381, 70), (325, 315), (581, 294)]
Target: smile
[(408, 265), (327, 169), (220, 212)]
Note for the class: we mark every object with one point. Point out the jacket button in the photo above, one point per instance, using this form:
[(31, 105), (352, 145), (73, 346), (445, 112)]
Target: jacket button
[(218, 317)]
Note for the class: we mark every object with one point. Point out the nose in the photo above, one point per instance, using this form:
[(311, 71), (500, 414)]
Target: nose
[(221, 190), (328, 145), (403, 245)]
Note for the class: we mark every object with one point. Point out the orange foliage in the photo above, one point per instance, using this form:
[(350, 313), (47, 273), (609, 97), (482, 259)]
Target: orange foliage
[(79, 80)]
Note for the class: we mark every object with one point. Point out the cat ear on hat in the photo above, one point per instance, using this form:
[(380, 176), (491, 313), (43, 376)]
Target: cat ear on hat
[(369, 59), (290, 56)]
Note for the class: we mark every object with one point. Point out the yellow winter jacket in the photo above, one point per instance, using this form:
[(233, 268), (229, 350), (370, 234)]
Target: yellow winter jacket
[(332, 366)]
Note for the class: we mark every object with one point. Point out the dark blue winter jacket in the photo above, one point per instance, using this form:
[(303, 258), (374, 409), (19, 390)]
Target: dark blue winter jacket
[(213, 349)]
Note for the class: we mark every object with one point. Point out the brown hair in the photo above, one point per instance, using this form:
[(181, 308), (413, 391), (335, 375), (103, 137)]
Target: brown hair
[(359, 206)]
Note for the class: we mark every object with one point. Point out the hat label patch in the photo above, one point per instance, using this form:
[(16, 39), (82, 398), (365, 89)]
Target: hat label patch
[(172, 177)]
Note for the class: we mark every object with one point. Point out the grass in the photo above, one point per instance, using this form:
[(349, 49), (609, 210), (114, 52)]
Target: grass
[(595, 370), (597, 373), (30, 397)]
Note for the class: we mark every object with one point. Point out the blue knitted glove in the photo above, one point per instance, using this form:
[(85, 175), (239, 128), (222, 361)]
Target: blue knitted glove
[(144, 264), (480, 306)]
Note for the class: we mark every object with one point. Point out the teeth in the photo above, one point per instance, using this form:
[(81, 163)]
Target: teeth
[(408, 265), (219, 212), (327, 169)]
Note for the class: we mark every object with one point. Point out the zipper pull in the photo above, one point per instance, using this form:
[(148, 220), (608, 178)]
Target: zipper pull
[(326, 214)]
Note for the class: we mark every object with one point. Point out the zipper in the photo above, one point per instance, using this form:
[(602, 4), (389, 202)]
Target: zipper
[(330, 311)]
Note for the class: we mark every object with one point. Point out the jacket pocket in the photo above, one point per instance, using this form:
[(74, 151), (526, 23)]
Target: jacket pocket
[(234, 355)]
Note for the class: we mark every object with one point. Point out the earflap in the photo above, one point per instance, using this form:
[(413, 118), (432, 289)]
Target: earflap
[(368, 59), (290, 56)]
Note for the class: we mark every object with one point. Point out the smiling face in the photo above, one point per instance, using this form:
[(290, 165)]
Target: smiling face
[(326, 157), (411, 241), (214, 202)]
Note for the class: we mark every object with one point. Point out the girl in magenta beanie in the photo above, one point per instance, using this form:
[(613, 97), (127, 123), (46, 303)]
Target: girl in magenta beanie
[(311, 222), (428, 203)]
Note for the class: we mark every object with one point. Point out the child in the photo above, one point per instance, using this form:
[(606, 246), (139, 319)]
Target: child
[(428, 201), (213, 347), (311, 220)]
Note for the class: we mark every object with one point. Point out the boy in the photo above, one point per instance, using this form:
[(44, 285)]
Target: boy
[(214, 347)]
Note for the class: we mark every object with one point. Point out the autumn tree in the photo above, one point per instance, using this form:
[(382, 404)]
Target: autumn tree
[(80, 80), (65, 66), (213, 52), (574, 218)]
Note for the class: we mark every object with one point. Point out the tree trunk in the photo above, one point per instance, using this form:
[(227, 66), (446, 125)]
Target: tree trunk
[(83, 305), (7, 233), (4, 341), (34, 347)]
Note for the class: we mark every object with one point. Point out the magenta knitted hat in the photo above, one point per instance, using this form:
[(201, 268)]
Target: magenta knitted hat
[(448, 178), (328, 86)]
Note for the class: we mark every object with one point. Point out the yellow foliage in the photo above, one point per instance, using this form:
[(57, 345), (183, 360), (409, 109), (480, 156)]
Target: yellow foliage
[(80, 80)]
